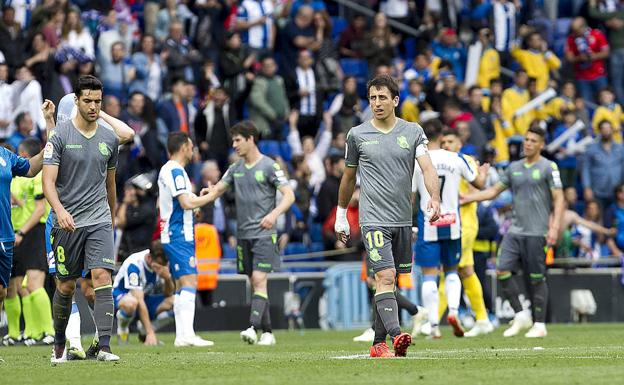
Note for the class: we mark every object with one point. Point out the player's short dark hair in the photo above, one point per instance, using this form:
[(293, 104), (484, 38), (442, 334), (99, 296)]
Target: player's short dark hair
[(450, 131), (158, 253), (432, 128), (31, 146), (246, 129), (176, 140), (87, 82), (537, 130), (384, 80)]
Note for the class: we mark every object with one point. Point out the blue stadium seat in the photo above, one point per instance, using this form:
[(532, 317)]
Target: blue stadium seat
[(295, 248), (315, 247), (228, 251), (269, 147), (285, 151), (316, 232), (410, 49), (355, 67), (339, 24)]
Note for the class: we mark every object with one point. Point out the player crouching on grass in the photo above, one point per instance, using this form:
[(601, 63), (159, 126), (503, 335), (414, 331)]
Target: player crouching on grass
[(255, 179), (383, 152), (143, 284)]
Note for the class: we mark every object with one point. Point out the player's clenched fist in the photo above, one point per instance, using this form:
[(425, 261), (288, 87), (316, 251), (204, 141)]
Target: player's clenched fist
[(66, 221), (48, 109), (341, 227)]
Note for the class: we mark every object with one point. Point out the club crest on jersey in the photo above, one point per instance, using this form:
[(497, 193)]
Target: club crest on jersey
[(259, 176), (103, 149), (402, 142), (133, 279), (374, 255), (536, 174)]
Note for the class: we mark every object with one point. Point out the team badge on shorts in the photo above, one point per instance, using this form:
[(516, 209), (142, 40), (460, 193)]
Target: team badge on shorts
[(103, 149), (374, 255)]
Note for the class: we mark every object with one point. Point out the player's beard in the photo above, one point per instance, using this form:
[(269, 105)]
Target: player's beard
[(89, 118)]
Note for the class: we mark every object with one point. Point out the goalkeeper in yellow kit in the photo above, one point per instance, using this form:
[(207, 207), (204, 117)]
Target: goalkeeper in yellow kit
[(469, 229)]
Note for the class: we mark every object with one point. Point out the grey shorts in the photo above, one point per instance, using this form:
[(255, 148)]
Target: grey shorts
[(260, 254), (388, 248), (86, 248), (523, 252)]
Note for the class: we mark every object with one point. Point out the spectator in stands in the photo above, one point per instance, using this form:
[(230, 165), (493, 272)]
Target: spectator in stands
[(587, 233), (352, 39), (609, 110), (181, 56), (136, 217), (346, 107), (565, 100), (442, 89), (254, 22), (149, 69), (513, 98), (75, 35), (27, 96), (212, 127), (313, 153), (6, 107), (173, 112), (327, 198), (414, 102), (301, 33), (112, 30), (24, 128), (327, 68), (565, 155), (118, 73), (304, 95), (587, 49), (235, 68), (355, 238), (420, 69), (614, 20), (475, 108), (380, 43), (489, 65), (11, 37), (448, 47), (472, 134), (299, 213), (536, 59), (213, 213), (174, 11), (317, 5), (504, 15), (268, 103), (614, 217), (602, 167), (41, 61), (53, 27)]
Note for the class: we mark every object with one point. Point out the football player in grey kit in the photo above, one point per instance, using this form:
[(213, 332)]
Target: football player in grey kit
[(536, 187), (383, 151), (255, 178)]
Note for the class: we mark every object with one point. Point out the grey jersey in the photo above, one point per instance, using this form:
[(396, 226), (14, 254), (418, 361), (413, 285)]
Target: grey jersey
[(385, 165), (83, 164), (532, 197), (255, 188)]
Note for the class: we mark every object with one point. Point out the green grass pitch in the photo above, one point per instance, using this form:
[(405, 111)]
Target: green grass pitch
[(571, 354)]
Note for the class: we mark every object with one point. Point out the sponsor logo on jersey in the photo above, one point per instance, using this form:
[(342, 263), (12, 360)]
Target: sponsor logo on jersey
[(73, 146)]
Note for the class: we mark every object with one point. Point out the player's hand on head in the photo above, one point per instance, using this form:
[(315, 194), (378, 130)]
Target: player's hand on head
[(268, 221)]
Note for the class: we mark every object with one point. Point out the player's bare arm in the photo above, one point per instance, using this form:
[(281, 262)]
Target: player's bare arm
[(288, 198), (555, 221), (111, 193), (482, 173), (430, 177), (484, 195), (345, 192), (65, 219), (124, 132)]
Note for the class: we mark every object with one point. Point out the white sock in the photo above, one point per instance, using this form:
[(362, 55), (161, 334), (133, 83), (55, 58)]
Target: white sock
[(452, 284), (186, 302), (72, 332), (429, 295), (177, 315), (123, 319), (540, 325)]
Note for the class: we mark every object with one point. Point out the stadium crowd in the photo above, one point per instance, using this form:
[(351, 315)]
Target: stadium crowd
[(297, 69)]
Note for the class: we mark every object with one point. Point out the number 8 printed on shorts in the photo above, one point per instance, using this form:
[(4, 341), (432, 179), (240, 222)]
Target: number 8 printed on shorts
[(376, 237), (60, 254)]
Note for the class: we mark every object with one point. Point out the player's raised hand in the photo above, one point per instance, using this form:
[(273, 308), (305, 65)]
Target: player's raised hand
[(268, 221), (433, 210), (341, 226), (66, 221), (48, 108)]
